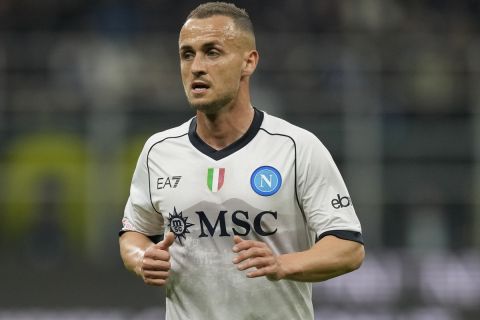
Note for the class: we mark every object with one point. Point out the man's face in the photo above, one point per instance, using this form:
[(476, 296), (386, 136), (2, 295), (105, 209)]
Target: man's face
[(212, 54)]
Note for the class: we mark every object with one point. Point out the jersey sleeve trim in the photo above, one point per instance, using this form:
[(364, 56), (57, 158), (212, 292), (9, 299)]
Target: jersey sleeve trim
[(343, 234), (155, 238)]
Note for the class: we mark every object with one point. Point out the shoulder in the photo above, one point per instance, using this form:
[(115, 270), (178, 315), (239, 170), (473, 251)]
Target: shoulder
[(310, 153), (172, 133), (301, 137)]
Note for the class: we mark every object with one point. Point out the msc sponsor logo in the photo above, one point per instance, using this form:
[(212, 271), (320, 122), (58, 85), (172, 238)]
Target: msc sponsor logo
[(178, 224), (266, 181), (242, 223), (341, 202)]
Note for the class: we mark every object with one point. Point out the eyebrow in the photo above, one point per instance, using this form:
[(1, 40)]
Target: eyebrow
[(205, 45)]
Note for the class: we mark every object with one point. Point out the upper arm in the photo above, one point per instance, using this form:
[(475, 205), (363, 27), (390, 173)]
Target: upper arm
[(346, 253), (133, 238), (132, 247), (323, 194), (139, 214)]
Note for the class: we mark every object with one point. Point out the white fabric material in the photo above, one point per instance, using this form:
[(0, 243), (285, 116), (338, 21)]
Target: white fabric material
[(204, 283)]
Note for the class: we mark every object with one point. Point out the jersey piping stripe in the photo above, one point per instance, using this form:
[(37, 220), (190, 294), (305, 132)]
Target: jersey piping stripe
[(295, 167), (148, 167)]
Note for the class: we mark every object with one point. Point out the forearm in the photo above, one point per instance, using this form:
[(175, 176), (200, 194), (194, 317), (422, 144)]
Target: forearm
[(328, 258), (132, 250)]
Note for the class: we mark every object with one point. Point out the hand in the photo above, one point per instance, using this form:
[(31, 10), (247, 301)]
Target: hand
[(155, 265), (256, 254)]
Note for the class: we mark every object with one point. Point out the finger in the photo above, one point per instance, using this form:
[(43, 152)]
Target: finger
[(259, 262), (269, 271), (155, 282), (251, 253), (155, 254), (147, 274), (237, 239), (247, 244), (167, 241), (156, 265)]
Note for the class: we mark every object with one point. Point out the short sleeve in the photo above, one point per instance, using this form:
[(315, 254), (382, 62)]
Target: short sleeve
[(323, 196), (139, 214)]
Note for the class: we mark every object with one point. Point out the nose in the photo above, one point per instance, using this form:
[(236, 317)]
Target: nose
[(198, 66)]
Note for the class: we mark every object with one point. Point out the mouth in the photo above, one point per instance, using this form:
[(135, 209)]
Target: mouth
[(199, 87)]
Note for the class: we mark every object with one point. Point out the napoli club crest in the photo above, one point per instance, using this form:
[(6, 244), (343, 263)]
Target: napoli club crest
[(266, 181)]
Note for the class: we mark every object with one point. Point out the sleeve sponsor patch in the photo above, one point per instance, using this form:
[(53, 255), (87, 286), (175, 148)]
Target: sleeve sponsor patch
[(127, 225)]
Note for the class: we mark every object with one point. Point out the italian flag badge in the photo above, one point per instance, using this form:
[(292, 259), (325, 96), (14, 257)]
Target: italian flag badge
[(215, 178)]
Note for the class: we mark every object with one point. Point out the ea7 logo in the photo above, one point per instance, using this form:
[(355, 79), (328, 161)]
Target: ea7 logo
[(341, 202), (171, 182)]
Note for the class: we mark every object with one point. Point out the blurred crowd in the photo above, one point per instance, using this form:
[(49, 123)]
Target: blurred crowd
[(441, 16), (425, 42)]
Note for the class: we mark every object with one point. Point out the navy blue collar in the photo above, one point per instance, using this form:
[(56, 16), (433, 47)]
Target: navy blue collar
[(198, 143)]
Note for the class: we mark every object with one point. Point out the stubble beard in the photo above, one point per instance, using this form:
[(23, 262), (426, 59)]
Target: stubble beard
[(213, 107)]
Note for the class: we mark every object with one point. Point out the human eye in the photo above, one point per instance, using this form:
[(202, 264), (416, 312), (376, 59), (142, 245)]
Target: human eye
[(187, 55), (213, 53)]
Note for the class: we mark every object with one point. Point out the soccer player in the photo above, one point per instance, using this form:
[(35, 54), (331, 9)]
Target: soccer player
[(253, 208)]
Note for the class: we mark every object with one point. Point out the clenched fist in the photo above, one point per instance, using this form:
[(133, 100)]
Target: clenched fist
[(155, 265)]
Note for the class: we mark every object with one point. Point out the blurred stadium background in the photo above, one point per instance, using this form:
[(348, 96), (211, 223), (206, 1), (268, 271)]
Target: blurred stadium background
[(391, 87)]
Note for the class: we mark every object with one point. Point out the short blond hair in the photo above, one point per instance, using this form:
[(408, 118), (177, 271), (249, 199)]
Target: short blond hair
[(239, 16)]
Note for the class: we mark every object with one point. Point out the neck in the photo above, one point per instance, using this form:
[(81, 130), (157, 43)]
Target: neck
[(226, 126)]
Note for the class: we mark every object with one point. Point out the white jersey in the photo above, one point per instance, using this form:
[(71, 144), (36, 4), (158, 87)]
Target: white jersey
[(277, 184)]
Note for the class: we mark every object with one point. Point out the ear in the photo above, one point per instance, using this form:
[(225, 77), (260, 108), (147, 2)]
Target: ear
[(250, 62)]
